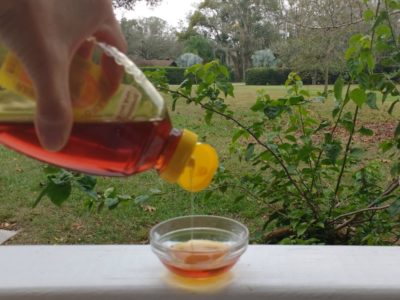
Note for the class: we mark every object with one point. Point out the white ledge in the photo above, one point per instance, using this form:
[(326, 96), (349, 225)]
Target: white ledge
[(134, 272)]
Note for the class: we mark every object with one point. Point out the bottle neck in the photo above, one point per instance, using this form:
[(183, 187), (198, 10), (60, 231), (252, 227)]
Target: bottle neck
[(176, 154), (169, 149)]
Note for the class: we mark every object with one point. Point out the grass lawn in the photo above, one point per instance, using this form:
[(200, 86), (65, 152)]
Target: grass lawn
[(21, 178)]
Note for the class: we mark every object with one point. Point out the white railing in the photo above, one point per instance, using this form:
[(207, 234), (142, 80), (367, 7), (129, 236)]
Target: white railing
[(264, 272)]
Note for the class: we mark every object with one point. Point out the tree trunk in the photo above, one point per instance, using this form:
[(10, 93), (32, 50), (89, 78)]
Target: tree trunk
[(314, 77), (326, 79)]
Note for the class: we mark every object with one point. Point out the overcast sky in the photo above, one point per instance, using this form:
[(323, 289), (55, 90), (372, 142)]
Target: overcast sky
[(172, 11)]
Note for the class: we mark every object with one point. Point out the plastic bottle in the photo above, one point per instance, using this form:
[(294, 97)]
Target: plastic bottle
[(113, 135)]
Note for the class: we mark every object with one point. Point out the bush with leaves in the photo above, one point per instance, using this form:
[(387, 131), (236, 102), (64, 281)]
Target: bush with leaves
[(188, 59), (264, 58), (310, 179)]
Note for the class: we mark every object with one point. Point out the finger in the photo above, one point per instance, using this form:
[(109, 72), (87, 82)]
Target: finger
[(86, 49), (111, 34), (54, 115)]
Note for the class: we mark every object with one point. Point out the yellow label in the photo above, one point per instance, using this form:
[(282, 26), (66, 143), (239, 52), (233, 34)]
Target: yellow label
[(91, 96), (14, 78)]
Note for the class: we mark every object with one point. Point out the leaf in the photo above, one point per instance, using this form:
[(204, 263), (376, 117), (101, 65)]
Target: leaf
[(239, 198), (358, 96), (383, 30), (394, 209), (335, 111), (397, 131), (40, 197), (111, 203), (332, 151), (366, 131), (258, 106), (395, 169), (87, 183), (141, 198), (291, 138), (301, 228), (58, 193), (391, 108), (155, 191), (368, 15), (237, 135), (109, 192), (338, 89), (322, 125), (386, 146), (249, 151), (50, 170), (371, 100), (272, 112)]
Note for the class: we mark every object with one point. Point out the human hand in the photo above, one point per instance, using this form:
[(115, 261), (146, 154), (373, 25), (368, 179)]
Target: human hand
[(45, 35)]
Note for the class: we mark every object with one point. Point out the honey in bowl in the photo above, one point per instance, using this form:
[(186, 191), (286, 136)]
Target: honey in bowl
[(199, 246), (199, 258)]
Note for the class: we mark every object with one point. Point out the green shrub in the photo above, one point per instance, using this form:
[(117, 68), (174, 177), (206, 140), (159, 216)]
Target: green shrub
[(174, 75), (266, 76)]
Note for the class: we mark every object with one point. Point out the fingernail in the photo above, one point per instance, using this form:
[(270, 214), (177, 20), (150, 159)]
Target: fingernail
[(52, 136)]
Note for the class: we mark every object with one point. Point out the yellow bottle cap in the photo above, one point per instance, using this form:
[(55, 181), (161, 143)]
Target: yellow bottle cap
[(192, 165)]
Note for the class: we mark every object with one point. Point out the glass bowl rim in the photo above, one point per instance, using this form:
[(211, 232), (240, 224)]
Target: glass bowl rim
[(242, 244)]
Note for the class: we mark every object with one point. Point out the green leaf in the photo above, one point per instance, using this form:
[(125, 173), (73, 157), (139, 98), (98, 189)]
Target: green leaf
[(335, 111), (301, 228), (371, 100), (395, 169), (50, 170), (58, 193), (332, 151), (296, 100), (338, 89), (87, 183), (369, 15), (208, 116), (397, 131), (394, 209), (237, 135), (141, 199), (322, 125), (249, 151), (273, 112), (358, 96), (40, 197), (366, 131), (391, 108), (291, 138), (111, 203), (109, 192), (155, 191), (386, 146), (258, 106), (383, 30)]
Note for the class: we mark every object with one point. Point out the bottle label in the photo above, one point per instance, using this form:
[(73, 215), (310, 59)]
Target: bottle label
[(90, 95)]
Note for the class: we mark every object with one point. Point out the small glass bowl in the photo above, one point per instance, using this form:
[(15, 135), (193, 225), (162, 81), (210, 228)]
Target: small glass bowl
[(199, 246)]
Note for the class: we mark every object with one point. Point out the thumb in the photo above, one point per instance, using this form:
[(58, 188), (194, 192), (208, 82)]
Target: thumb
[(54, 117)]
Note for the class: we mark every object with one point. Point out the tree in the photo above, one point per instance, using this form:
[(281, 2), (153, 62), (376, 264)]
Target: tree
[(316, 34), (188, 59), (201, 46), (129, 4), (150, 38), (264, 58), (238, 27)]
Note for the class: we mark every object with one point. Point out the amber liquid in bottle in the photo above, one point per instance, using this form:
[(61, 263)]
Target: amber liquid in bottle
[(103, 148)]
